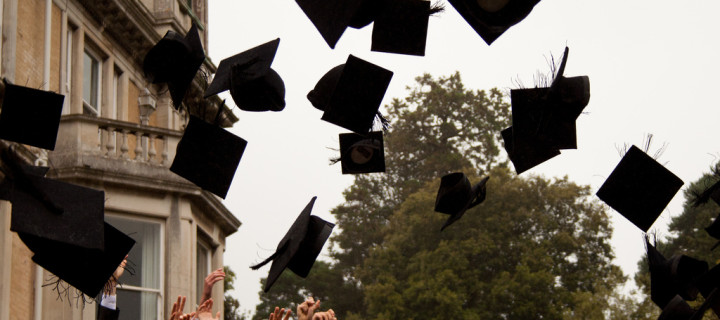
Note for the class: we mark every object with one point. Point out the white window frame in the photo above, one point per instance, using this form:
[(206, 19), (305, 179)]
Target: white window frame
[(159, 292), (199, 277), (93, 107)]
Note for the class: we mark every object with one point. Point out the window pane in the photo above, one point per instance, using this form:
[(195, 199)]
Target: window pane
[(91, 68), (135, 305), (145, 255), (203, 268)]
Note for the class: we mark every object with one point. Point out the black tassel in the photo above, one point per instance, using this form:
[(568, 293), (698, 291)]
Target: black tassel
[(261, 264), (383, 121), (437, 7)]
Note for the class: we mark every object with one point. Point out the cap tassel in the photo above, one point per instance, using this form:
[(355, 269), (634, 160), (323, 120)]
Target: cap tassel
[(383, 121), (437, 7), (271, 258)]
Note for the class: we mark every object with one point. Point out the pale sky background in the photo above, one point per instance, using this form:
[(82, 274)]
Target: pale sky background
[(653, 68)]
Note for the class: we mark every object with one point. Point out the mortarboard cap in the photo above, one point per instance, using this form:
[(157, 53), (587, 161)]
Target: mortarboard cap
[(525, 156), (366, 13), (639, 188), (678, 275), (80, 223), (676, 309), (491, 18), (456, 196), (88, 270), (362, 153), (353, 92), (401, 27), (30, 116), (253, 85), (300, 247), (175, 60), (208, 156), (330, 18)]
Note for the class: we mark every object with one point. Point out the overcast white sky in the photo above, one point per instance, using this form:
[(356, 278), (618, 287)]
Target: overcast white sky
[(653, 68)]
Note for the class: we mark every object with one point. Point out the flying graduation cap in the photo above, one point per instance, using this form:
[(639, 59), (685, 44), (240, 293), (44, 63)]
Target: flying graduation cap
[(331, 18), (300, 247), (639, 188), (456, 196), (62, 224), (351, 93), (208, 156), (86, 269), (175, 60), (253, 85), (677, 276), (30, 116), (543, 119), (362, 153), (491, 18), (401, 26)]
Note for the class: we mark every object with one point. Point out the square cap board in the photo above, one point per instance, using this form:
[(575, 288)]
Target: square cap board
[(639, 188)]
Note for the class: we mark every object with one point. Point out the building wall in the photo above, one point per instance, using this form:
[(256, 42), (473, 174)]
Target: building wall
[(139, 192)]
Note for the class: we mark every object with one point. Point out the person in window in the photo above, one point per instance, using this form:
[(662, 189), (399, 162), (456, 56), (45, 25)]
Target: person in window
[(108, 305)]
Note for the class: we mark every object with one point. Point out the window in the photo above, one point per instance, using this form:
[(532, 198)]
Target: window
[(91, 83), (203, 267), (140, 295)]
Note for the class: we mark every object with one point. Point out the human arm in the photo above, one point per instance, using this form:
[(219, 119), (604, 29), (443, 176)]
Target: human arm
[(210, 280)]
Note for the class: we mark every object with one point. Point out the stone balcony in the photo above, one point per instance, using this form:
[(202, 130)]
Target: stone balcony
[(92, 148)]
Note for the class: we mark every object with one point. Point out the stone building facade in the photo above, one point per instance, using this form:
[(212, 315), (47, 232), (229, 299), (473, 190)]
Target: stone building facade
[(118, 133)]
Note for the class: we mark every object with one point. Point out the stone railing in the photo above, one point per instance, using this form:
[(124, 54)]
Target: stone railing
[(125, 140)]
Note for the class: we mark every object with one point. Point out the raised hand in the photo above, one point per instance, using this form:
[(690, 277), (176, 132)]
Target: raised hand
[(278, 314), (306, 309), (326, 315), (210, 280)]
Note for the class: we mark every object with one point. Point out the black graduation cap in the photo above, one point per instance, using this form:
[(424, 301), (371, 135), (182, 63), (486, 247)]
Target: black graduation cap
[(401, 27), (86, 269), (300, 247), (525, 155), (677, 276), (51, 209), (678, 308), (544, 119), (79, 223), (30, 116), (456, 196), (208, 156), (175, 60), (350, 94), (639, 188), (253, 85), (331, 18), (362, 153), (490, 18)]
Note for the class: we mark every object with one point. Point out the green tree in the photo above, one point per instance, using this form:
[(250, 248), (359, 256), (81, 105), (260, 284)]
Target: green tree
[(231, 306), (687, 236), (537, 248)]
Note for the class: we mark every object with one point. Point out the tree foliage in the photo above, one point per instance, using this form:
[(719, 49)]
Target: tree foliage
[(686, 236), (536, 249), (231, 306)]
